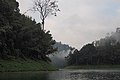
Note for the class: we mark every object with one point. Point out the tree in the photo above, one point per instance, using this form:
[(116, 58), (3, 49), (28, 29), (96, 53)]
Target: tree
[(45, 8), (22, 37), (105, 51)]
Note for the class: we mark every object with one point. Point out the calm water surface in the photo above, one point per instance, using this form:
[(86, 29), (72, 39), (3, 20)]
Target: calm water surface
[(63, 75)]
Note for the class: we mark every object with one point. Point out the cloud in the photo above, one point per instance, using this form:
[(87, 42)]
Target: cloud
[(80, 21)]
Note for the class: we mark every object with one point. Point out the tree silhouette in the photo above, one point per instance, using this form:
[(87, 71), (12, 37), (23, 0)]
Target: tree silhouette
[(45, 8)]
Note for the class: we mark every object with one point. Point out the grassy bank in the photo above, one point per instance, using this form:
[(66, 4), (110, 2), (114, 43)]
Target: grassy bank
[(94, 67), (21, 65)]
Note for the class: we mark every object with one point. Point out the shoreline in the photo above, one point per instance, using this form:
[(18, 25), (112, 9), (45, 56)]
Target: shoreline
[(109, 67)]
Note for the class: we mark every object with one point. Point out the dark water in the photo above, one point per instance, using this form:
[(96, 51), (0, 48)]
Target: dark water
[(63, 75)]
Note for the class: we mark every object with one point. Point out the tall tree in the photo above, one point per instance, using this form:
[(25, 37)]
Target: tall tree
[(20, 36), (45, 8)]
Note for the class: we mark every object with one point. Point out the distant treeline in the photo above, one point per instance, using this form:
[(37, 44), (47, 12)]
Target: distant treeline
[(101, 52), (20, 36)]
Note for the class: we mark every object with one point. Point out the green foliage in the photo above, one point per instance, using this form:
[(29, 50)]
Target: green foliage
[(101, 52), (20, 36), (21, 65), (8, 8)]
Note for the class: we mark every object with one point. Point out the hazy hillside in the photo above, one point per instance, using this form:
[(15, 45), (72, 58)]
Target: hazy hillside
[(58, 58), (105, 51)]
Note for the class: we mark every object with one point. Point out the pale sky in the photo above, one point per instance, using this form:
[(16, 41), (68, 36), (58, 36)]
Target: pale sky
[(80, 21)]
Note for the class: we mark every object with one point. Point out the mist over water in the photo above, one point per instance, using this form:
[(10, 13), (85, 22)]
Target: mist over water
[(63, 75)]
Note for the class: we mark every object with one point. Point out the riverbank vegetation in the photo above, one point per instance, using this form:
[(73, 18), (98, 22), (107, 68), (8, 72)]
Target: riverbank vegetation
[(22, 65), (101, 67), (22, 38)]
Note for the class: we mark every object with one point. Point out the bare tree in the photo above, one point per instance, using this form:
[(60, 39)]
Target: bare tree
[(45, 9)]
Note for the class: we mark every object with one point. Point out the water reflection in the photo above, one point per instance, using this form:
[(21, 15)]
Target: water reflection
[(86, 75), (24, 76), (75, 76), (63, 75)]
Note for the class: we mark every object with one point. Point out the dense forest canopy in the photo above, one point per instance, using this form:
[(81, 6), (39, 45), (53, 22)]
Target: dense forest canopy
[(20, 36), (101, 52)]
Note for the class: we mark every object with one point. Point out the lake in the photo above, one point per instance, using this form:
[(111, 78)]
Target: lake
[(63, 75)]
